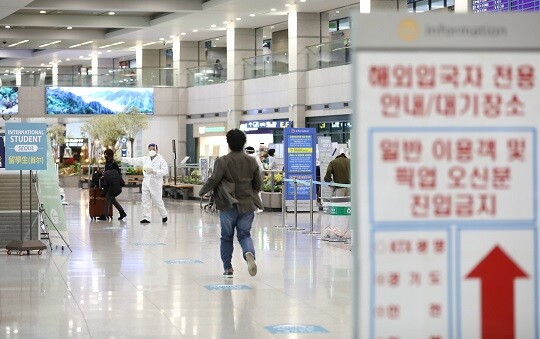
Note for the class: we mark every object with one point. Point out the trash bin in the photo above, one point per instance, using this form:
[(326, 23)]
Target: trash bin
[(336, 219)]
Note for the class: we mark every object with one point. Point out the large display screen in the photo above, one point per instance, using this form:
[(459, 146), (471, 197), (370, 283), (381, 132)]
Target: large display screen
[(9, 100), (98, 100)]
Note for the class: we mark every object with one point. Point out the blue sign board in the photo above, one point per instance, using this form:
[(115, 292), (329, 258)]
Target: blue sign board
[(290, 328), (26, 146), (300, 157), (227, 287), (2, 152)]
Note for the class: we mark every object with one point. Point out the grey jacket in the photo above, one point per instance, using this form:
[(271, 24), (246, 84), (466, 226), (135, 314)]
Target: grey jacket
[(236, 179)]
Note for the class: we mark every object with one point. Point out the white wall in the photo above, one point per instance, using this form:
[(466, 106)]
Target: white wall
[(208, 99), (266, 92), (329, 85), (161, 131)]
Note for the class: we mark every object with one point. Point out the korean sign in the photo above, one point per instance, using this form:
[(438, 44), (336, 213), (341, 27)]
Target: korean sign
[(446, 181), (300, 147), (26, 146)]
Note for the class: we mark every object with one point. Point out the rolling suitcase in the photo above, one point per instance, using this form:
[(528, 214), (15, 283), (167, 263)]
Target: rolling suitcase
[(97, 202)]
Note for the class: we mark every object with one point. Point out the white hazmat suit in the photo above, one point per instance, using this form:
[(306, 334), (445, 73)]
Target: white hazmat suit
[(152, 185)]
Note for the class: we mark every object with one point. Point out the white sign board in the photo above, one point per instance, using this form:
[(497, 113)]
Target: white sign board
[(445, 183)]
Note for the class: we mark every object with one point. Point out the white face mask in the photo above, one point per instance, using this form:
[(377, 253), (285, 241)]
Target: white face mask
[(152, 153)]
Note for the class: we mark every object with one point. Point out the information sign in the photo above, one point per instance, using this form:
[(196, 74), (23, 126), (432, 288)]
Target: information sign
[(26, 146), (300, 148), (445, 184)]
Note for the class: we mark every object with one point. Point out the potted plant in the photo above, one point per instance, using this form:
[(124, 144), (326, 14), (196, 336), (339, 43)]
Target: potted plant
[(271, 194)]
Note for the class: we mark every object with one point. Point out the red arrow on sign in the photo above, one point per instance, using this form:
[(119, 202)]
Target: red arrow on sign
[(497, 271)]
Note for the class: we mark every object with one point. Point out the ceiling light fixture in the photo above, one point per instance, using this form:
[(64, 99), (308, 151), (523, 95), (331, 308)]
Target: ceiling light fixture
[(81, 57), (7, 26), (115, 44), (183, 33), (70, 27), (68, 59), (59, 61), (238, 19), (225, 22), (18, 43), (161, 39), (303, 0), (112, 13), (273, 9), (213, 26), (171, 36), (42, 12), (82, 44), (195, 30), (287, 5), (252, 15), (217, 39), (149, 43), (50, 43), (109, 51), (337, 12)]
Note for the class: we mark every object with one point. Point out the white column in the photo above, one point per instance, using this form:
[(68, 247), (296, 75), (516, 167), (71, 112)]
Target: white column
[(55, 73), (95, 69), (139, 62), (18, 77), (186, 57), (176, 61), (462, 6), (304, 31), (240, 43)]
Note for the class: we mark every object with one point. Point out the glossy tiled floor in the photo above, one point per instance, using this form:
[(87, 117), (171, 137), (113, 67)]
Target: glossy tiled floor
[(117, 283)]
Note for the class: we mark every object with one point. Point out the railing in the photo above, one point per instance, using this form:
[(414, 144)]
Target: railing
[(206, 75), (266, 65), (331, 54), (106, 77)]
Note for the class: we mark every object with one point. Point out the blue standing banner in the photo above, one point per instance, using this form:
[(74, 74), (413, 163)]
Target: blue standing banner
[(26, 146), (300, 161), (2, 152)]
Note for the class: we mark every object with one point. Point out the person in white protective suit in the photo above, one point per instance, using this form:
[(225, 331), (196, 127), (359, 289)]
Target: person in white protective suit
[(155, 168)]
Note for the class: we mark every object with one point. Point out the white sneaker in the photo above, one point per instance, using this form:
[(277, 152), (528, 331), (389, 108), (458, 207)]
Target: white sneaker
[(252, 266)]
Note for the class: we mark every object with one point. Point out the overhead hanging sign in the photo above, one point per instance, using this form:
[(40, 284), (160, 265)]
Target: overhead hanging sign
[(445, 184), (26, 146)]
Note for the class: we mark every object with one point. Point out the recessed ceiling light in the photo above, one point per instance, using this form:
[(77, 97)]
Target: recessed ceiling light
[(303, 0), (82, 44), (252, 15), (213, 26), (264, 36), (7, 26), (161, 39), (214, 46), (42, 64), (18, 43), (273, 9), (225, 22), (183, 33), (149, 43), (272, 27), (287, 5), (109, 51), (115, 44), (238, 19), (195, 30), (42, 12), (68, 59), (59, 61), (81, 57), (171, 36), (112, 13), (70, 27), (217, 39), (99, 53), (50, 43), (337, 12)]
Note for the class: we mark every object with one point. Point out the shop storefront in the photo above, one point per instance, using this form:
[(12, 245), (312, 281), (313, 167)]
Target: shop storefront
[(338, 127), (261, 133), (209, 140)]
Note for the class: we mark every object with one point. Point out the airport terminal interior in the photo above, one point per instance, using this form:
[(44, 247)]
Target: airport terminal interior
[(179, 74)]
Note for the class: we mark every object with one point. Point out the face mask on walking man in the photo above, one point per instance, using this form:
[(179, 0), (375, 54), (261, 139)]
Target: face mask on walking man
[(154, 169)]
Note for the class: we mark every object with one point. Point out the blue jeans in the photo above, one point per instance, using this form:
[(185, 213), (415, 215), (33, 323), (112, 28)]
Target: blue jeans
[(230, 220)]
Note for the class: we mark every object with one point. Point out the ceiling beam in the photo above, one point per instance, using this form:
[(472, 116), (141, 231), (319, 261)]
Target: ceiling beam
[(81, 21), (118, 5)]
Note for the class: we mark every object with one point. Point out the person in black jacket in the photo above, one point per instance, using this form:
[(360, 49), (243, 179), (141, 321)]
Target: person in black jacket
[(112, 185)]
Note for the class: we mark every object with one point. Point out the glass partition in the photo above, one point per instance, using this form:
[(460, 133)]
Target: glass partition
[(106, 77), (266, 65), (206, 75), (331, 54)]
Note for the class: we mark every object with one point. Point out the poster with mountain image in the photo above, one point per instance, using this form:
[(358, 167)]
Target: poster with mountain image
[(98, 100)]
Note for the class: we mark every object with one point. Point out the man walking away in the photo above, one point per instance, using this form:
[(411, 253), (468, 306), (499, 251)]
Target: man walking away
[(236, 182), (339, 171)]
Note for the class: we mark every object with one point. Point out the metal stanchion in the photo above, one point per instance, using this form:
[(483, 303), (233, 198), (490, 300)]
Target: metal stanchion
[(311, 231), (296, 207), (283, 207)]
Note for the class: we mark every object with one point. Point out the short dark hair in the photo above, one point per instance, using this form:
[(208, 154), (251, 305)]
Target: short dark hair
[(236, 139), (217, 60), (109, 153), (271, 152)]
